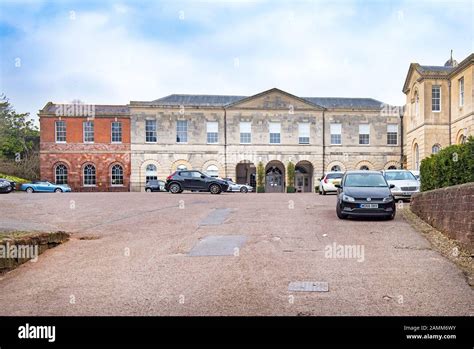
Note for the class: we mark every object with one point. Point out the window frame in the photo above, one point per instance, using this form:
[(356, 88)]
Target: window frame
[(335, 134), (364, 134), (391, 134), (245, 134), (461, 91), (212, 134), (56, 131), (84, 132), (84, 176), (433, 87), (153, 133), (56, 173), (299, 133), (112, 175), (270, 134), (112, 132), (178, 122)]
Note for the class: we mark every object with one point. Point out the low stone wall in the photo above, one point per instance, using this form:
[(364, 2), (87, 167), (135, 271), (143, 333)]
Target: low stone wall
[(20, 248), (449, 210)]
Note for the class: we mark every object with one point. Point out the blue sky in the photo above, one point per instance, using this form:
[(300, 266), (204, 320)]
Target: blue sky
[(111, 52)]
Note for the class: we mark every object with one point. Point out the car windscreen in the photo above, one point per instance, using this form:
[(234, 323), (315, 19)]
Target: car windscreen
[(334, 175), (399, 176), (365, 180)]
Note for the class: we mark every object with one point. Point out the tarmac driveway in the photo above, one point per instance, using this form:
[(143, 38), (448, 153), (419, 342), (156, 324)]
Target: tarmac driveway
[(130, 255)]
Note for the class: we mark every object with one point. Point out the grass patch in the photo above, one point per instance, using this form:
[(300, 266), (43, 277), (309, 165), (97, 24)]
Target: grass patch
[(16, 234), (13, 178)]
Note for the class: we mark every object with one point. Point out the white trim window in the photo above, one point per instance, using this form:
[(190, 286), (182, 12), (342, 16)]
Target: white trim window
[(116, 129), (212, 171), (303, 132), (60, 174), (461, 91), (60, 131), (275, 132), (116, 175), (182, 131), (364, 134), (392, 134), (88, 129), (336, 134), (212, 128), (436, 98), (89, 177), (150, 131), (245, 132)]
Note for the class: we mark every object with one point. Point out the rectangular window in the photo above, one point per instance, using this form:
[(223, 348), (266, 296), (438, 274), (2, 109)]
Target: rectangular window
[(303, 133), (60, 131), (212, 132), (336, 130), (116, 132), (461, 92), (275, 130), (88, 127), (150, 131), (364, 134), (245, 132), (182, 131), (436, 98), (392, 134)]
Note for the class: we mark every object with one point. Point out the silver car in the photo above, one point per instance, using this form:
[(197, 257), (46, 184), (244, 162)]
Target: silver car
[(404, 181), (243, 188)]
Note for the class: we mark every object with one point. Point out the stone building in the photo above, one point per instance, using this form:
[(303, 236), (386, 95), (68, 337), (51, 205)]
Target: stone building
[(225, 136), (439, 108)]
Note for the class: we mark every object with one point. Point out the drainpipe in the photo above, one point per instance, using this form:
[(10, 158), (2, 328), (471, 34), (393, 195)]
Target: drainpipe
[(225, 144), (324, 143), (401, 138), (449, 111)]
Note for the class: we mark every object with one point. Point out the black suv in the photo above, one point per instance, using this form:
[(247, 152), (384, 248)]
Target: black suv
[(195, 181), (7, 186)]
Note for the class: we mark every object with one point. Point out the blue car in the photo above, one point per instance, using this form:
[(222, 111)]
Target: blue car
[(44, 187)]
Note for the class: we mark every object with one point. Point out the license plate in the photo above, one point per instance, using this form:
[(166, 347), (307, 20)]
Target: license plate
[(369, 206), (407, 193)]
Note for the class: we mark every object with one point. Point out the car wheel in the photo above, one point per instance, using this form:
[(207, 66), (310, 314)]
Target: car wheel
[(58, 190), (148, 190), (244, 190), (340, 215), (175, 188), (215, 189), (29, 190)]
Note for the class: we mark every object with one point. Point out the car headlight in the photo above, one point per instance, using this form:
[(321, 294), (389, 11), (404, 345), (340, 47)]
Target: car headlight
[(347, 198), (387, 199), (396, 188)]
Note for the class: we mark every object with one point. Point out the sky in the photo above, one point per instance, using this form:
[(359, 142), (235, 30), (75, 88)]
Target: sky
[(114, 52)]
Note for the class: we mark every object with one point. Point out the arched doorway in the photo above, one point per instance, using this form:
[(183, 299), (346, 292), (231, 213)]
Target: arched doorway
[(275, 177), (245, 173), (303, 176)]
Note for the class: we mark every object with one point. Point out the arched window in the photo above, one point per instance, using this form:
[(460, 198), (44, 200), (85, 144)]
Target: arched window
[(462, 139), (416, 159), (392, 167), (435, 149), (151, 173), (336, 168), (182, 168), (61, 174), (89, 175), (212, 171), (117, 175), (364, 168)]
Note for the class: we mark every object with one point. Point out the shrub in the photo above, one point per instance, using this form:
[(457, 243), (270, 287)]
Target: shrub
[(260, 178), (290, 171), (451, 166)]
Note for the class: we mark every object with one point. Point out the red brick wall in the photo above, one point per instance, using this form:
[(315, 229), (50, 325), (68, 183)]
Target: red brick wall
[(75, 154), (450, 210)]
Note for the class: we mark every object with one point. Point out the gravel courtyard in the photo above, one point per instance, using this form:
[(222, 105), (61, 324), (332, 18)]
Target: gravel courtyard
[(129, 255)]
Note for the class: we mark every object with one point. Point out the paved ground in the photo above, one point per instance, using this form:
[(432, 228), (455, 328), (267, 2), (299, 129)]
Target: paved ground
[(138, 265)]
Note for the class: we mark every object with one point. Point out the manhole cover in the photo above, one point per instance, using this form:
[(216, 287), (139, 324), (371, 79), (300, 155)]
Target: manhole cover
[(308, 286), (216, 217), (219, 245)]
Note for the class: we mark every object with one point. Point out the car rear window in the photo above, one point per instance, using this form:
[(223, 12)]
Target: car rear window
[(334, 175)]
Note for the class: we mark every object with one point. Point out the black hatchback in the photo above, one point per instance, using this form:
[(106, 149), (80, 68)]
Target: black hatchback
[(364, 194), (194, 181), (155, 185)]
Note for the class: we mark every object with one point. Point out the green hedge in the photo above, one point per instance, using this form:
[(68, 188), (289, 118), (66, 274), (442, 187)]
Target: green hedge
[(451, 166)]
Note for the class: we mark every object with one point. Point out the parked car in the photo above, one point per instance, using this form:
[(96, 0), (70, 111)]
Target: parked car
[(405, 183), (243, 188), (44, 187), (155, 185), (365, 194), (194, 181), (328, 182), (6, 186)]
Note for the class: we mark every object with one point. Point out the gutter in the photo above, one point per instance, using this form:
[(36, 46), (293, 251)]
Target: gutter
[(449, 110)]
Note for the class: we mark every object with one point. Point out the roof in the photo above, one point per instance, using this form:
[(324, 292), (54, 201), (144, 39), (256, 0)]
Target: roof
[(435, 68), (224, 100), (98, 109)]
